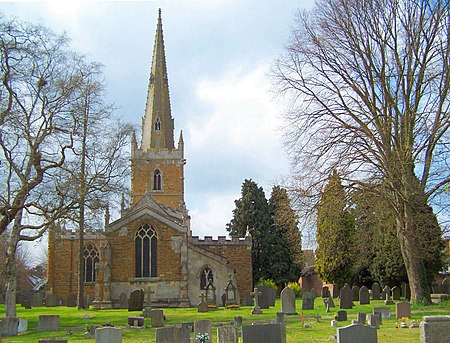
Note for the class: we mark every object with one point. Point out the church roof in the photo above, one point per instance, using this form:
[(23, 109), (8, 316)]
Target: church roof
[(157, 124)]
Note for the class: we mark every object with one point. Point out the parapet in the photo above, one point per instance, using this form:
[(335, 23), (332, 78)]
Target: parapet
[(221, 240)]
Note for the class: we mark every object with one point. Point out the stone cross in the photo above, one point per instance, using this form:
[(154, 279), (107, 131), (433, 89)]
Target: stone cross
[(255, 293), (202, 297)]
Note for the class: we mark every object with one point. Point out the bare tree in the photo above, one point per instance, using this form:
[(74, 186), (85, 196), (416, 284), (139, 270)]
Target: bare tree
[(369, 83)]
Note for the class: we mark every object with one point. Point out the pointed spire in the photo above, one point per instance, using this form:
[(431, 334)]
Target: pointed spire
[(157, 125)]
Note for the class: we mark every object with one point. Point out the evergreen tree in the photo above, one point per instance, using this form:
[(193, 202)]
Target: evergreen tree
[(288, 266), (252, 216), (335, 229)]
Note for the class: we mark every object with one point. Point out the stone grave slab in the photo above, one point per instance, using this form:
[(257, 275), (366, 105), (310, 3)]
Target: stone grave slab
[(335, 291), (123, 300), (71, 300), (108, 335), (403, 309), (435, 329), (374, 320), (325, 292), (364, 334), (346, 297), (157, 317), (48, 322), (406, 291), (136, 302), (445, 286), (376, 291), (172, 335), (288, 301), (136, 322), (396, 293), (267, 296), (364, 296), (9, 326), (188, 325), (227, 334), (26, 302), (203, 326), (361, 318), (261, 333), (51, 300), (355, 293), (307, 301), (52, 340), (341, 316)]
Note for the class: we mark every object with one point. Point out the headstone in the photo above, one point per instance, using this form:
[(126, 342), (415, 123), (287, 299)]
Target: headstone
[(172, 335), (71, 300), (261, 333), (346, 297), (335, 291), (396, 293), (238, 320), (136, 302), (445, 286), (202, 306), (288, 301), (123, 300), (325, 292), (307, 301), (364, 297), (355, 293), (9, 326), (256, 308), (374, 320), (385, 312), (51, 300), (365, 334), (37, 299), (136, 322), (387, 295), (202, 326), (48, 322), (334, 323), (227, 334), (435, 329), (108, 335), (403, 310), (188, 325), (157, 317), (52, 340), (267, 296), (361, 318), (341, 316), (22, 326), (406, 291), (376, 291), (280, 320), (26, 302)]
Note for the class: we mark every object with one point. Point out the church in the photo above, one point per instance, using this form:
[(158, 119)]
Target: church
[(151, 246)]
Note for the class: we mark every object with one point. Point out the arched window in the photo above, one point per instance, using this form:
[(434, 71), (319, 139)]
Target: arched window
[(206, 276), (91, 257), (145, 251), (157, 125), (157, 180)]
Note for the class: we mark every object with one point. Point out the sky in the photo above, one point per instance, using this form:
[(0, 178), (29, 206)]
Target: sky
[(219, 54)]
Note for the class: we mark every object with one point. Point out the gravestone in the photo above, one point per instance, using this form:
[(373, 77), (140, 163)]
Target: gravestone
[(22, 326), (335, 291), (37, 299), (123, 300), (406, 291), (210, 292), (261, 333), (90, 334), (355, 293), (203, 326), (403, 310), (435, 329), (387, 295), (71, 300), (280, 320), (364, 297), (374, 320), (202, 306), (136, 322), (51, 300), (26, 302), (325, 292), (256, 308), (361, 318), (445, 286), (157, 318), (172, 335), (227, 334), (365, 334), (52, 340), (288, 301), (346, 297), (136, 302), (267, 297), (307, 301), (108, 335), (341, 316), (396, 293), (48, 322), (376, 291), (9, 326), (238, 321), (385, 312)]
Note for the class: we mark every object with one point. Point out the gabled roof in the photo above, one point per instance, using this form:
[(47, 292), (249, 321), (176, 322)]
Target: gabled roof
[(147, 207)]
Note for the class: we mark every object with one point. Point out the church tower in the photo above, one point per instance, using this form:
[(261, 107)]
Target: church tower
[(157, 166)]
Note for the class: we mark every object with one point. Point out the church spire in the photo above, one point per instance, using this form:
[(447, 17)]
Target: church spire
[(157, 124)]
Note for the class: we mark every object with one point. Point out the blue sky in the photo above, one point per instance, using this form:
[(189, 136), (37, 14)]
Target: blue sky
[(218, 57)]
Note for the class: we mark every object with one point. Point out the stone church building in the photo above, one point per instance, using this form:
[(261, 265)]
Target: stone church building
[(151, 245)]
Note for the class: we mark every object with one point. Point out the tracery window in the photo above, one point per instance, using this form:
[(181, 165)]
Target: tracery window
[(91, 257), (206, 276), (146, 251), (157, 180), (157, 124)]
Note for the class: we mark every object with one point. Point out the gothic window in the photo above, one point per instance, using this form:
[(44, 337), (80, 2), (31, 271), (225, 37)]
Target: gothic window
[(206, 276), (145, 251), (91, 257), (157, 125), (157, 180)]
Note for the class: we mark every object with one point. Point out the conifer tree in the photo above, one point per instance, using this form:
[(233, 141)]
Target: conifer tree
[(335, 228)]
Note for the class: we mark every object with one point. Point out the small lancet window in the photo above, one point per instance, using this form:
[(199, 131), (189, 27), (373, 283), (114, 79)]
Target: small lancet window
[(157, 125), (157, 180), (91, 258)]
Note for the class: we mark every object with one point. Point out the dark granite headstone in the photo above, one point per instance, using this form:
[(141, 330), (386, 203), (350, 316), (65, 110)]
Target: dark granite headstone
[(341, 316), (136, 321), (396, 293), (403, 309), (355, 293), (365, 334), (48, 322), (364, 297), (325, 292), (136, 302), (346, 297), (307, 301), (406, 291), (376, 291), (172, 335), (267, 296), (335, 291), (261, 333), (445, 285)]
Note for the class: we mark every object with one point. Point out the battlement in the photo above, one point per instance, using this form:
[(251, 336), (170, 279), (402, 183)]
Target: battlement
[(221, 240), (73, 234), (157, 154)]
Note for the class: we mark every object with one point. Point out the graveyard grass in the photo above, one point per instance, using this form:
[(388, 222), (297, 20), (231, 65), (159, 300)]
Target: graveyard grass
[(73, 328)]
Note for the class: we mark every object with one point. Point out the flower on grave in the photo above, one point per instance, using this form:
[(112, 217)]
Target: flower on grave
[(404, 319), (202, 337)]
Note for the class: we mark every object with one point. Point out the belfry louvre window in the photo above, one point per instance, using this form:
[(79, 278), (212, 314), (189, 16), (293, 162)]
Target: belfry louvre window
[(157, 180), (157, 125), (146, 251), (91, 257)]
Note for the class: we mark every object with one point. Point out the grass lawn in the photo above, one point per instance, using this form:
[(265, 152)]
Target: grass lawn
[(72, 327)]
